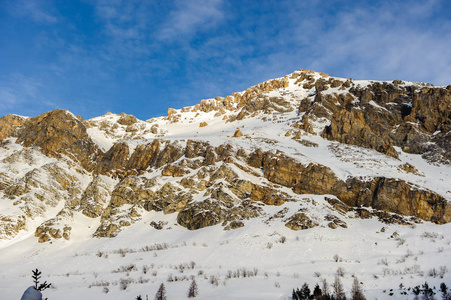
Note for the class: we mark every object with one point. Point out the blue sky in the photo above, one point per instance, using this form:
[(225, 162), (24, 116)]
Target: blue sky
[(142, 57)]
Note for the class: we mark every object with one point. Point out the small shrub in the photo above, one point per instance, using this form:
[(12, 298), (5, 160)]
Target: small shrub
[(341, 272), (442, 271), (433, 272), (145, 269), (214, 280), (124, 283), (383, 261), (337, 258)]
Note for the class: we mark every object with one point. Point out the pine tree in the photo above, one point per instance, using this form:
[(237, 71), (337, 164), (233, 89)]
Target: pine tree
[(305, 292), (161, 293), (326, 295), (337, 286), (445, 294), (416, 291), (36, 276), (193, 292), (294, 295), (356, 291), (317, 293), (428, 293)]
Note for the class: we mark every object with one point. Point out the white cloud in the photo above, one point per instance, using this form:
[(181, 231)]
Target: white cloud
[(189, 17), (388, 41), (16, 90), (40, 11)]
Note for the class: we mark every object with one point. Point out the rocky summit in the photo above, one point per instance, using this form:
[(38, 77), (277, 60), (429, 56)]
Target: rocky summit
[(368, 148)]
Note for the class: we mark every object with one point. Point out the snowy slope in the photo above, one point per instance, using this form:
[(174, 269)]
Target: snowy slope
[(274, 258)]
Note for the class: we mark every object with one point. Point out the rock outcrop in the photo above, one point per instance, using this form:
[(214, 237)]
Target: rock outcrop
[(60, 132), (9, 124), (383, 115), (54, 172)]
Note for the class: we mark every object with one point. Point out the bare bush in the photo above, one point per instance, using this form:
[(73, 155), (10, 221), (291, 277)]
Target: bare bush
[(99, 283), (214, 280), (433, 272), (125, 282), (442, 271), (126, 269), (143, 280), (102, 254), (155, 247), (337, 258), (341, 272), (383, 261), (145, 269)]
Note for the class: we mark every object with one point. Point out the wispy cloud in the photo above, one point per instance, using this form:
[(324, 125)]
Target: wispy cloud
[(125, 25), (39, 11), (189, 17), (376, 43), (17, 90)]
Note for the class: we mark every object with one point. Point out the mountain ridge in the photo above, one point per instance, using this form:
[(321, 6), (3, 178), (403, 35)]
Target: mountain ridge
[(305, 107), (303, 171)]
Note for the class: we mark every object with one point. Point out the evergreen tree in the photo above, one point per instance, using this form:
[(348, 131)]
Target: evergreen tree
[(161, 293), (299, 294), (428, 293), (326, 295), (445, 294), (416, 291), (356, 291), (39, 286), (317, 293), (193, 292), (294, 295), (36, 276), (305, 292), (337, 286)]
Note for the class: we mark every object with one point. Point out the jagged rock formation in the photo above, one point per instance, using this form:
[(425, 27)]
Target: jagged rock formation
[(116, 169), (383, 115)]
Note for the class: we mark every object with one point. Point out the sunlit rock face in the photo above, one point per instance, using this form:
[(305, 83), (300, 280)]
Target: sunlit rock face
[(226, 160)]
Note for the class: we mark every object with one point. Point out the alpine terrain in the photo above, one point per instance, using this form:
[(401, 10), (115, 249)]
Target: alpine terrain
[(302, 179)]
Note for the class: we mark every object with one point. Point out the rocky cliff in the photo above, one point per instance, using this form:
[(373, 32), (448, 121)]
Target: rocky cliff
[(371, 149)]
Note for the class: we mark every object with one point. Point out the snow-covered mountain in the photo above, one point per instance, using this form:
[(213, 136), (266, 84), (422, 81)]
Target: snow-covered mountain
[(291, 181)]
